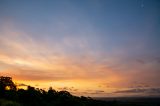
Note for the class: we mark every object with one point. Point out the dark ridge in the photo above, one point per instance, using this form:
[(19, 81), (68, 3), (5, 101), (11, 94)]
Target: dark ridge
[(11, 96)]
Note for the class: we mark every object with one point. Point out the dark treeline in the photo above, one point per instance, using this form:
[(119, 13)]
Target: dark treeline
[(11, 96)]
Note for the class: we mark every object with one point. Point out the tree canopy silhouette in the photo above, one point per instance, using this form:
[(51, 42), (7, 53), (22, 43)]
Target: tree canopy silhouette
[(6, 83), (10, 95)]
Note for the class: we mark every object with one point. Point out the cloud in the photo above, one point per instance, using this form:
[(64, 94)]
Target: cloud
[(131, 91), (52, 58), (95, 91), (70, 89), (19, 85), (148, 60), (99, 91), (139, 85), (35, 75), (141, 90), (157, 59), (140, 61)]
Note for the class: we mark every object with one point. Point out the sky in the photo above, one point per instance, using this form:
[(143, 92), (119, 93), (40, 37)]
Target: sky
[(94, 48)]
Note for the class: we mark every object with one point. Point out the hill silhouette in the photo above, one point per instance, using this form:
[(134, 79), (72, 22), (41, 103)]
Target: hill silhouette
[(11, 96)]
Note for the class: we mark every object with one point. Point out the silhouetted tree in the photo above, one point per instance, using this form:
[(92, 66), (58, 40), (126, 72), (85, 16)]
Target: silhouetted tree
[(6, 83), (51, 94), (39, 97)]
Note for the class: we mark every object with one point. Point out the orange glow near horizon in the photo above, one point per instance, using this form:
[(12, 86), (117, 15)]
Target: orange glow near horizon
[(80, 57)]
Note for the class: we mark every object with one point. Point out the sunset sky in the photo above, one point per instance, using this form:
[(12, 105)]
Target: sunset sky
[(87, 47)]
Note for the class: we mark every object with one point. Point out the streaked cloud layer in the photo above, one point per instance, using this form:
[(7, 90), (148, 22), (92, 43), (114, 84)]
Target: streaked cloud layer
[(95, 48)]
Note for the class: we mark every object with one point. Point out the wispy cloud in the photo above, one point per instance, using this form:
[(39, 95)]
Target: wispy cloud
[(147, 91), (84, 45)]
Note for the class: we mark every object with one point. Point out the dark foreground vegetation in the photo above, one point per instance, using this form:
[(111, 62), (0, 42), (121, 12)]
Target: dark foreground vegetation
[(11, 96)]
